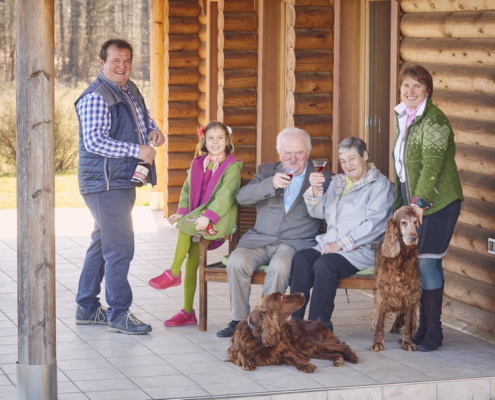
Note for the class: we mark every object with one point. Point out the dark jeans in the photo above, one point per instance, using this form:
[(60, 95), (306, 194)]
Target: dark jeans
[(311, 269), (110, 252)]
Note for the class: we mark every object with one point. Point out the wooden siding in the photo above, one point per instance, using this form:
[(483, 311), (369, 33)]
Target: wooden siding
[(456, 42), (310, 80)]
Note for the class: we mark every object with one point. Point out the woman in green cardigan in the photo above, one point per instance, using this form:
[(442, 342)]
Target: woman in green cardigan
[(425, 175)]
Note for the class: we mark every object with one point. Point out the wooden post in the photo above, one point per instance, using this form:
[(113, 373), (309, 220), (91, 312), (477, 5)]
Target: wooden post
[(37, 365), (158, 89)]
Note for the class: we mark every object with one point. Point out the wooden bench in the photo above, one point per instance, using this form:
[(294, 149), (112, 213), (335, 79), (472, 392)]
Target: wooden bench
[(217, 272)]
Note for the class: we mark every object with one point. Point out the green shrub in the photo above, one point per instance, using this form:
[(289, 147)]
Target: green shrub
[(66, 126)]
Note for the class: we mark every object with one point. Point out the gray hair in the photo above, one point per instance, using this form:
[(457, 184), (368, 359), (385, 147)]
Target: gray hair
[(293, 132), (352, 143)]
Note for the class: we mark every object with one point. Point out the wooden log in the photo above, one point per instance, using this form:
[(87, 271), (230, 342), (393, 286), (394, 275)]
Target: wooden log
[(470, 265), (424, 6), (248, 171), (183, 109), (174, 194), (314, 3), (183, 59), (239, 97), (466, 78), (172, 208), (183, 8), (182, 143), (448, 51), (314, 17), (202, 67), (202, 101), (239, 78), (234, 59), (240, 40), (183, 76), (244, 135), (202, 84), (183, 93), (479, 213), (247, 154), (183, 25), (471, 238), (313, 82), (180, 160), (474, 24), (203, 118), (474, 132), (314, 60), (469, 291), (315, 125), (470, 315), (321, 147), (465, 104), (240, 22), (202, 34), (475, 159), (319, 103), (202, 50), (239, 6), (176, 177), (314, 38), (182, 126), (178, 42), (239, 116), (478, 186)]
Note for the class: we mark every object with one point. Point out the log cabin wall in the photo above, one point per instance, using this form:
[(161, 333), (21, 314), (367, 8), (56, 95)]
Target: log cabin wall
[(455, 41), (182, 78), (312, 79), (237, 76)]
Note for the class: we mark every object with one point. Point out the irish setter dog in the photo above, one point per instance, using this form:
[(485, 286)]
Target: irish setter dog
[(267, 338), (397, 287)]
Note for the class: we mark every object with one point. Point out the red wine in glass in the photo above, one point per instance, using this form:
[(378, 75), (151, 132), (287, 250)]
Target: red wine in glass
[(290, 174), (319, 169)]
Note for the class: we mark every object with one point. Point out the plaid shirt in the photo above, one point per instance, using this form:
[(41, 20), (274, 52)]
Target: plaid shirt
[(95, 121)]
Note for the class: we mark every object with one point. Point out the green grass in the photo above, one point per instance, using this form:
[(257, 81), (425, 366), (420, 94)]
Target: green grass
[(66, 192)]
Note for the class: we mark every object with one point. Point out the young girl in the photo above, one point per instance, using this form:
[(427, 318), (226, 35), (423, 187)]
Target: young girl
[(207, 206)]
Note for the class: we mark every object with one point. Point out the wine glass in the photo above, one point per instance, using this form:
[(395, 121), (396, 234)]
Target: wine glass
[(319, 165), (290, 173)]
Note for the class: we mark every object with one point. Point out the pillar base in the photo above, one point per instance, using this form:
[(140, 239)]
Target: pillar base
[(36, 382)]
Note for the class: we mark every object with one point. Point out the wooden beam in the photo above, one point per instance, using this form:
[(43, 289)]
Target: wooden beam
[(35, 75), (271, 76), (212, 62)]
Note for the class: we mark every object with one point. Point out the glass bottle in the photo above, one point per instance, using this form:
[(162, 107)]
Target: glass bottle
[(138, 178)]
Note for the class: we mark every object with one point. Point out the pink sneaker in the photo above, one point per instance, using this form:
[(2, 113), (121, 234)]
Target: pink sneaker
[(165, 280), (182, 318)]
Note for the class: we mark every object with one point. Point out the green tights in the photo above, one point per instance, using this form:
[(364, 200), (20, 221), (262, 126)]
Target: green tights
[(185, 246)]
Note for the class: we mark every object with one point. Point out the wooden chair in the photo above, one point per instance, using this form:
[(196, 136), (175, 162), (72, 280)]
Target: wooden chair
[(217, 272)]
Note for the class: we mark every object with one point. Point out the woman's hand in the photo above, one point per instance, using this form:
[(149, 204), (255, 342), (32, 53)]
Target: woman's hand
[(316, 179), (332, 247), (201, 223), (174, 218)]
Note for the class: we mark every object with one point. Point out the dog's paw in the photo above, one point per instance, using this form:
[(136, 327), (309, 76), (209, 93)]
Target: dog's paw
[(377, 347), (338, 361), (308, 368), (408, 346), (353, 358), (248, 367)]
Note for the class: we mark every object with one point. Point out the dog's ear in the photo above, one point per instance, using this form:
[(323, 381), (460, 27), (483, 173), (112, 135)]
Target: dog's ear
[(268, 330), (391, 242)]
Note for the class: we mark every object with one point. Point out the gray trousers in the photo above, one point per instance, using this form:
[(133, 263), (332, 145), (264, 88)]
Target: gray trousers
[(243, 263)]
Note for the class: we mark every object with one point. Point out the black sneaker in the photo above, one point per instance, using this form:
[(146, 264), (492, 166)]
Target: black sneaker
[(97, 317), (129, 324), (229, 330)]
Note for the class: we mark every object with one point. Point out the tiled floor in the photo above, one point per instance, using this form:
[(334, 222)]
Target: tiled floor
[(185, 363)]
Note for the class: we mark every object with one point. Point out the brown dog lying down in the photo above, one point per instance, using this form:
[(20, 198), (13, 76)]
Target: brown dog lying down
[(267, 338), (397, 287)]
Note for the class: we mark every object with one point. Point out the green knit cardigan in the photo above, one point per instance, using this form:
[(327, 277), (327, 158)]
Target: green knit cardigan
[(431, 171)]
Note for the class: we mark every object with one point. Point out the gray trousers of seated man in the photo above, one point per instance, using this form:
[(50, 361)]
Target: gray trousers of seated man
[(244, 262)]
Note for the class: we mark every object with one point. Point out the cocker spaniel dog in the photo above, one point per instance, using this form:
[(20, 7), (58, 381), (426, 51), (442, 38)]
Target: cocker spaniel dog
[(397, 287), (267, 338)]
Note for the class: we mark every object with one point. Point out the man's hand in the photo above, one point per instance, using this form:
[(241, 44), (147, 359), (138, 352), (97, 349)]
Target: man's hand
[(156, 137), (332, 247), (146, 153), (280, 180)]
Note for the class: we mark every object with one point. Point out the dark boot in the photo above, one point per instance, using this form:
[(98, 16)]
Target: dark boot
[(432, 303)]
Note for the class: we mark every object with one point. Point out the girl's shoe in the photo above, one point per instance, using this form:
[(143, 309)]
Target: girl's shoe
[(165, 280), (182, 318)]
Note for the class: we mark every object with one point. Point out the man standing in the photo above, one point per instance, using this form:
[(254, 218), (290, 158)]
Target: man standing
[(283, 225), (115, 132)]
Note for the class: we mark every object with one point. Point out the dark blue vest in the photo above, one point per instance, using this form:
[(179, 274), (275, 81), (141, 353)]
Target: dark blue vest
[(97, 173)]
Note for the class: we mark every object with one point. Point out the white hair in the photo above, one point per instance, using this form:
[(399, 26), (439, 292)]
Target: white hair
[(281, 137)]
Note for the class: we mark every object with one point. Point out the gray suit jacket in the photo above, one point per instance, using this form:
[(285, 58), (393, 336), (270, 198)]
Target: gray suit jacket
[(273, 224)]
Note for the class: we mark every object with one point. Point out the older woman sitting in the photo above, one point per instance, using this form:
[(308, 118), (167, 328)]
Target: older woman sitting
[(356, 206)]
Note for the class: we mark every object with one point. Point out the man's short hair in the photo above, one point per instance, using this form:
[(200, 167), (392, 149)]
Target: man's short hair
[(281, 137), (119, 43)]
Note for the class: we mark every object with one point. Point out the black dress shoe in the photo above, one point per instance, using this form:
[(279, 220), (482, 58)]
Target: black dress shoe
[(229, 330)]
